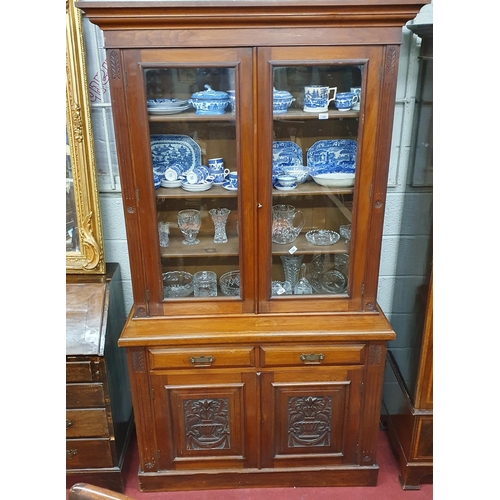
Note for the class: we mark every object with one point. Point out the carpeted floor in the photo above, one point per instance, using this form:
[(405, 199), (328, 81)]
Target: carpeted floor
[(388, 487)]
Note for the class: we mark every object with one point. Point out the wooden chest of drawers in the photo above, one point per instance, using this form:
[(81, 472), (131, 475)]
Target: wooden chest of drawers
[(98, 404)]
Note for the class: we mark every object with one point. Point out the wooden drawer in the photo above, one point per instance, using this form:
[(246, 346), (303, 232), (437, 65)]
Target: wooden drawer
[(80, 371), (216, 357), (84, 395), (86, 423), (88, 453), (352, 354)]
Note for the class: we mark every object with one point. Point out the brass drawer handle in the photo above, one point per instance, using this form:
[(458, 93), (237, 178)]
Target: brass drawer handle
[(69, 423), (312, 359), (71, 453), (202, 360)]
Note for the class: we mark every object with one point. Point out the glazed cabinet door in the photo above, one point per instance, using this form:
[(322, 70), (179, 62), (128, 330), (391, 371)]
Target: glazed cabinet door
[(205, 421), (321, 154), (187, 177)]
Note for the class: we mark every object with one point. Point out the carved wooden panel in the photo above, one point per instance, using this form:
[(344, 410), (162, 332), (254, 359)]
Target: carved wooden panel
[(311, 418), (203, 420)]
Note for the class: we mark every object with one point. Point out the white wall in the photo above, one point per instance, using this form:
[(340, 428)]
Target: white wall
[(408, 211)]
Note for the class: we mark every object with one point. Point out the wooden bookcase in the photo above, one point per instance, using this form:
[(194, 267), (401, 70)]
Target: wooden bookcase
[(255, 389)]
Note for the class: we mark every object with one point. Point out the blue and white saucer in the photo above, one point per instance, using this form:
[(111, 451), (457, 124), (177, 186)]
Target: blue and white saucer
[(227, 185), (285, 188)]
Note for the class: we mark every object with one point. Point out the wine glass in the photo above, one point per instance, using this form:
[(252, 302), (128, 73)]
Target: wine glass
[(189, 224)]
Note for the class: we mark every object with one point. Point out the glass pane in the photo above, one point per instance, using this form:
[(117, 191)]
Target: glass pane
[(315, 138), (193, 145), (72, 238)]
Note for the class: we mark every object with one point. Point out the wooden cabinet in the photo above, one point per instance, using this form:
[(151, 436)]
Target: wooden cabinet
[(252, 385), (98, 405), (409, 417)]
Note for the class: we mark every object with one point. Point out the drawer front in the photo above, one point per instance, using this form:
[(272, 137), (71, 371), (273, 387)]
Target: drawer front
[(84, 395), (87, 453), (86, 423), (203, 357), (80, 371), (352, 354)]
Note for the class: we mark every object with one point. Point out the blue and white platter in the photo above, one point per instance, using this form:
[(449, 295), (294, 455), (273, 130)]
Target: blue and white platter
[(170, 149), (334, 156)]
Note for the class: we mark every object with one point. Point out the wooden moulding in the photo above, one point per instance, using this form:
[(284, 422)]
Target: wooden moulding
[(227, 14)]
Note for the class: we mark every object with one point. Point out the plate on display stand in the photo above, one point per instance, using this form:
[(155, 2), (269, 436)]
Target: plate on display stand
[(286, 154), (169, 149), (333, 156)]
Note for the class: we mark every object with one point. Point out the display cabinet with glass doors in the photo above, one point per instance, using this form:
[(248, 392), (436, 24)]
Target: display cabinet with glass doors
[(253, 142)]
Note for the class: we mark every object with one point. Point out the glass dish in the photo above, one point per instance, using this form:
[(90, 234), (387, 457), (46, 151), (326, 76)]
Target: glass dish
[(322, 237), (230, 283), (177, 284)]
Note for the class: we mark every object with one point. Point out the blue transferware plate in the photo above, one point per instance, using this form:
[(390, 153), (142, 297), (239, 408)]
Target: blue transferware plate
[(169, 149), (286, 154), (332, 156)]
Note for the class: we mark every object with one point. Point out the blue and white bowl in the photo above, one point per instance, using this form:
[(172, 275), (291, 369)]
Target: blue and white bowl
[(210, 102), (282, 99), (300, 172)]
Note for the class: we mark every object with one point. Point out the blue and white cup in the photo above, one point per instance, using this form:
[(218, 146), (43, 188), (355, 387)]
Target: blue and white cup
[(232, 179), (317, 98), (197, 175), (344, 101), (217, 170), (357, 91), (173, 172)]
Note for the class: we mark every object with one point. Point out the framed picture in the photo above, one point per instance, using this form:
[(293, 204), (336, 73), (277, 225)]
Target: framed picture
[(84, 241)]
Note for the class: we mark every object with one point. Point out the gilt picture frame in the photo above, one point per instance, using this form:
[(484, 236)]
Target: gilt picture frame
[(84, 240)]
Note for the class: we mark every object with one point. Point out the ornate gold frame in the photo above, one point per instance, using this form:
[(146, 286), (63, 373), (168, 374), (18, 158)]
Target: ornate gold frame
[(89, 258)]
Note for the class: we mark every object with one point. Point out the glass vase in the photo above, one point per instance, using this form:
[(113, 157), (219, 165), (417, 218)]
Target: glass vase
[(219, 217)]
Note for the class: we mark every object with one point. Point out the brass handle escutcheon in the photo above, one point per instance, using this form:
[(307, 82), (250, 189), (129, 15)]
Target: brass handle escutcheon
[(69, 423), (202, 360), (312, 359), (71, 453)]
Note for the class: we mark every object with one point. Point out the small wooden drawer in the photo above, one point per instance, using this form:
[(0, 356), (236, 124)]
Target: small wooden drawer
[(79, 371), (203, 357), (352, 354), (86, 423), (84, 395), (88, 453)]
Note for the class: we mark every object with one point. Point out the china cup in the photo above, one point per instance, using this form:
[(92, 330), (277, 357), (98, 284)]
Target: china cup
[(317, 98), (232, 179), (217, 170), (286, 180), (357, 91), (197, 175), (344, 101), (173, 172)]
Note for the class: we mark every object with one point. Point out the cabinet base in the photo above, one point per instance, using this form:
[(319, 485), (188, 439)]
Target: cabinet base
[(258, 478)]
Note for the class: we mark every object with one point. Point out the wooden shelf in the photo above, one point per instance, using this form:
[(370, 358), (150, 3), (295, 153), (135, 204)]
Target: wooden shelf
[(298, 114), (294, 114), (205, 248), (309, 188), (191, 116)]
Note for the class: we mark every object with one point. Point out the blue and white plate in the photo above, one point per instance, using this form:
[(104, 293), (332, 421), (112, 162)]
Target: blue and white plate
[(286, 154), (334, 156), (169, 149)]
